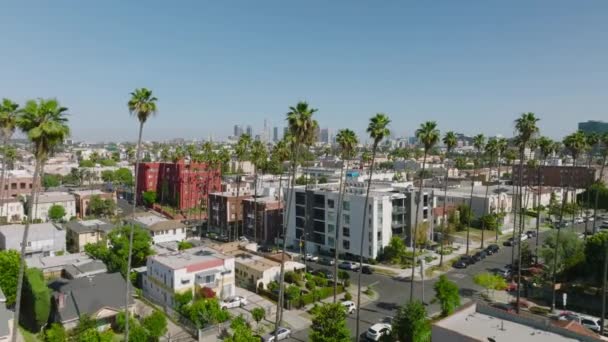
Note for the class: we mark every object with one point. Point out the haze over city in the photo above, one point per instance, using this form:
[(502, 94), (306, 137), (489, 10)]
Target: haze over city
[(472, 67)]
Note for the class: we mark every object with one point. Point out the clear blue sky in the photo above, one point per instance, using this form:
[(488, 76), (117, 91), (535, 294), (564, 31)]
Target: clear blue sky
[(470, 65)]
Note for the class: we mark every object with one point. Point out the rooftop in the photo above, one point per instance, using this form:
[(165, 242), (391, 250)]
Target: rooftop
[(49, 197), (148, 219), (89, 192), (56, 261), (85, 268), (89, 226), (38, 231), (190, 257), (253, 261)]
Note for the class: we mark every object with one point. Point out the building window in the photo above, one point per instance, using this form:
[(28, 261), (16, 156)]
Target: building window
[(331, 228), (425, 214), (346, 244), (425, 200), (330, 241), (330, 203), (346, 219), (346, 205), (346, 231)]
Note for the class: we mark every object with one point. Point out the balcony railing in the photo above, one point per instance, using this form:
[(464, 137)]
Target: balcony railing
[(397, 224), (399, 210)]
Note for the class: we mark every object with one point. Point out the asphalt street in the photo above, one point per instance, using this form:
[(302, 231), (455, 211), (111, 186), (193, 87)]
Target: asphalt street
[(394, 292)]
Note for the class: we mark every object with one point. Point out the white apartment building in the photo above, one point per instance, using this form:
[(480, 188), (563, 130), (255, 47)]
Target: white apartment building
[(189, 270), (161, 229), (44, 239), (391, 211), (11, 210), (47, 199)]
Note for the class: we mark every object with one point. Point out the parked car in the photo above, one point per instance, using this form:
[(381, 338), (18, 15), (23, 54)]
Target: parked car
[(523, 237), (327, 261), (347, 265), (480, 255), (233, 302), (367, 270), (604, 225), (503, 272), (579, 220), (505, 307), (464, 262), (310, 257), (591, 323), (265, 249), (327, 274), (283, 334), (509, 242), (531, 233), (492, 249), (350, 306), (377, 331)]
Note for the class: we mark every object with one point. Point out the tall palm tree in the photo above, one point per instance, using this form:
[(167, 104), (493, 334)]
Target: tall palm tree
[(491, 150), (242, 154), (575, 144), (604, 153), (479, 142), (527, 129), (142, 104), (593, 139), (378, 130), (604, 142), (302, 127), (429, 136), (259, 156), (347, 140), (545, 147), (280, 154), (45, 123), (9, 113), (450, 141)]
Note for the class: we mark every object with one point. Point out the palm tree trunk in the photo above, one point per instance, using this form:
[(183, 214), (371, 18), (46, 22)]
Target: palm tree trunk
[(2, 174), (337, 236), (521, 225), (279, 313), (539, 194), (583, 212), (556, 250), (498, 161), (413, 237), (131, 229), (604, 274), (573, 196), (485, 207), (23, 252), (255, 203), (235, 230), (597, 194), (364, 224), (514, 203), (471, 209), (445, 222)]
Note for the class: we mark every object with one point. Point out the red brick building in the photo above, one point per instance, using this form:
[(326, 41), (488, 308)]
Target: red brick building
[(181, 185)]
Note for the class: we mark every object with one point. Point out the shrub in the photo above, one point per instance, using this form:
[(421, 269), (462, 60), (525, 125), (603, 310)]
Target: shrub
[(205, 292), (320, 281), (311, 284), (272, 286), (539, 310), (348, 296)]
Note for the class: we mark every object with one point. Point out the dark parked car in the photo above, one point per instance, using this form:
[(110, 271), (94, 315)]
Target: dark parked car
[(480, 255), (326, 261), (531, 234), (510, 242), (367, 270), (327, 274), (464, 261), (492, 249), (265, 249)]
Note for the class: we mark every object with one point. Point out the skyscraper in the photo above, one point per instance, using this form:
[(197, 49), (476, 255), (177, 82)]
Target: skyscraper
[(249, 131), (275, 134), (593, 126), (324, 136)]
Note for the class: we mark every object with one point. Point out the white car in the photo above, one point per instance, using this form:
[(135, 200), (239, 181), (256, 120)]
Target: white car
[(234, 302), (523, 237), (310, 257), (579, 220), (350, 306), (591, 323), (347, 265), (283, 334), (377, 331)]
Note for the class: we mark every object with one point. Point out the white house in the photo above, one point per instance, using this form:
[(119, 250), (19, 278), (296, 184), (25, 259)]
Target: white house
[(44, 239), (189, 270), (161, 229), (47, 199), (11, 210)]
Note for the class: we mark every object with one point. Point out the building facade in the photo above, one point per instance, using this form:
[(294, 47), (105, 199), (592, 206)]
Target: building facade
[(160, 229), (18, 183), (182, 185), (46, 200), (189, 270), (592, 126), (226, 212), (578, 177), (11, 210), (263, 219), (83, 198), (81, 233), (44, 239)]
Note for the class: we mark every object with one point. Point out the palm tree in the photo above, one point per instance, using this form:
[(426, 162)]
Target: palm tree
[(545, 147), (575, 143), (478, 142), (429, 136), (302, 128), (45, 123), (377, 130), (593, 139), (604, 142), (259, 156), (526, 127), (280, 154), (242, 154), (347, 140), (450, 141), (491, 150), (9, 114), (142, 104)]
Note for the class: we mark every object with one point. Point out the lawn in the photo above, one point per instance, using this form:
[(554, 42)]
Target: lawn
[(475, 234), (28, 336)]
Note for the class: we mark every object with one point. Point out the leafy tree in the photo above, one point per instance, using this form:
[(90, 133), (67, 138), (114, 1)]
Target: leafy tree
[(56, 212), (86, 163), (107, 176), (490, 282), (329, 324), (101, 207), (51, 181), (182, 299), (292, 292), (447, 294), (55, 333), (570, 251), (258, 314), (465, 214), (395, 251), (36, 302), (205, 311), (107, 162), (343, 276), (123, 176), (489, 222), (137, 333), (594, 254), (241, 331), (9, 268), (85, 323), (155, 324), (526, 254), (92, 335), (410, 324), (149, 198), (120, 321), (184, 245)]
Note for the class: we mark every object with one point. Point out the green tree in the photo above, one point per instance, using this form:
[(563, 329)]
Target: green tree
[(411, 324), (258, 314), (36, 302), (205, 311), (184, 245), (465, 214), (395, 252), (120, 321), (55, 333), (86, 163), (51, 181), (450, 141), (123, 176), (107, 176), (329, 324), (9, 268), (155, 324), (447, 293), (181, 300), (241, 331), (149, 198), (56, 212), (85, 323), (101, 207), (9, 118), (595, 249), (378, 130), (490, 282), (259, 157), (570, 250), (242, 151)]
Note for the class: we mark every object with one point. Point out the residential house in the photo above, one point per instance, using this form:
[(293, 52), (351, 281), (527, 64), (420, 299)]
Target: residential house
[(18, 183), (161, 229), (83, 197), (11, 210), (48, 199), (44, 239), (55, 266), (100, 296), (81, 233), (188, 270)]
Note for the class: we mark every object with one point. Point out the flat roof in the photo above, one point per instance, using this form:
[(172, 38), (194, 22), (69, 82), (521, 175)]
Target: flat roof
[(253, 261), (149, 219), (89, 192), (192, 256), (38, 231), (57, 196), (89, 226)]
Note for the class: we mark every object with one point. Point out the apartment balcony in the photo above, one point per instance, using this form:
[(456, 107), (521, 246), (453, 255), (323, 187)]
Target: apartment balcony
[(399, 210), (215, 207), (397, 224)]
